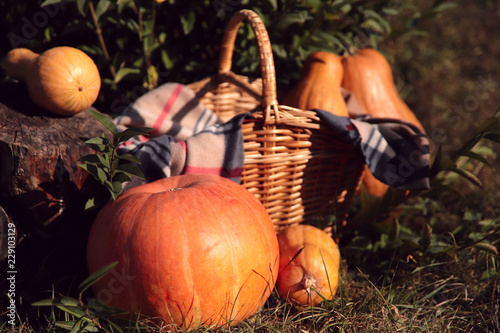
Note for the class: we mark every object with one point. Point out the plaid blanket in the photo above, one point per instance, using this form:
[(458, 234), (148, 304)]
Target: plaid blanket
[(189, 138)]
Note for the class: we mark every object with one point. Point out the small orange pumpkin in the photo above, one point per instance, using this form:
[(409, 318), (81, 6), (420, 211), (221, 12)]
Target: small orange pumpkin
[(368, 76), (319, 85), (192, 250), (62, 80), (309, 265)]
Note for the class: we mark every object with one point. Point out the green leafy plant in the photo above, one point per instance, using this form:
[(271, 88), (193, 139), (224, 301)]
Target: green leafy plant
[(415, 228), (90, 315), (138, 45), (109, 167)]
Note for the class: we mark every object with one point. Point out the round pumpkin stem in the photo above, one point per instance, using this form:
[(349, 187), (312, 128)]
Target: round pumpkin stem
[(308, 282)]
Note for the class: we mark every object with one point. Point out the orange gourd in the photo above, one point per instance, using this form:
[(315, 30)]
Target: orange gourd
[(62, 80), (193, 250), (309, 265), (368, 76), (319, 85)]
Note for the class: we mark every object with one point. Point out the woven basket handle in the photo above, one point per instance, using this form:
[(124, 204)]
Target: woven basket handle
[(266, 56)]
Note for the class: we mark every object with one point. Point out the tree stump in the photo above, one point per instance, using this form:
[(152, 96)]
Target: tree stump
[(39, 176), (43, 193)]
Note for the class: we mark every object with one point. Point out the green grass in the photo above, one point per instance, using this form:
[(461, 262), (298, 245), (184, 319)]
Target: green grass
[(429, 299)]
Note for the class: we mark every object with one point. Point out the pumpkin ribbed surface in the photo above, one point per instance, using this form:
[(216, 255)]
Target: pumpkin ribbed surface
[(309, 265), (196, 250), (62, 80)]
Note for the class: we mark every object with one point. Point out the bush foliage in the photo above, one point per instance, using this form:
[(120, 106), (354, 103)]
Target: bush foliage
[(140, 44)]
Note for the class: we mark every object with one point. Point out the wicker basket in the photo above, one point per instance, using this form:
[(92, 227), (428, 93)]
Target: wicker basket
[(296, 166)]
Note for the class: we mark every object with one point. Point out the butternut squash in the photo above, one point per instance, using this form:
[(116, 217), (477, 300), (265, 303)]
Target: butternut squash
[(368, 76), (319, 85)]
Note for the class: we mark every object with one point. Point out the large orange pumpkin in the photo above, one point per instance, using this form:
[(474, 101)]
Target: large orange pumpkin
[(62, 80), (193, 250), (309, 265), (368, 76), (319, 85)]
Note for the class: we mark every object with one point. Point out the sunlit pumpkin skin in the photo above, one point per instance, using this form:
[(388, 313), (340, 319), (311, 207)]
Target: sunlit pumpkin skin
[(62, 80), (309, 265), (319, 85), (372, 185), (368, 76), (193, 250)]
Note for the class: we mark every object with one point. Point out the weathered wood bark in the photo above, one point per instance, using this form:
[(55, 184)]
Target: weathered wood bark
[(39, 175), (43, 193)]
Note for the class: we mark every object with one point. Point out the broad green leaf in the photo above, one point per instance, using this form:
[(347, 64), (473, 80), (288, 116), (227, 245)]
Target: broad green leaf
[(488, 223), (131, 24), (90, 159), (105, 161), (89, 281), (187, 22), (104, 120), (167, 61), (50, 2), (94, 144), (476, 156), (102, 7), (132, 132), (82, 5), (96, 172), (325, 37), (468, 175), (131, 169), (293, 18), (102, 176), (385, 26), (62, 301), (487, 248), (489, 274), (109, 186), (123, 72), (129, 157), (102, 141), (444, 6), (121, 177), (373, 25), (117, 188), (75, 311), (90, 203), (84, 325), (102, 309)]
